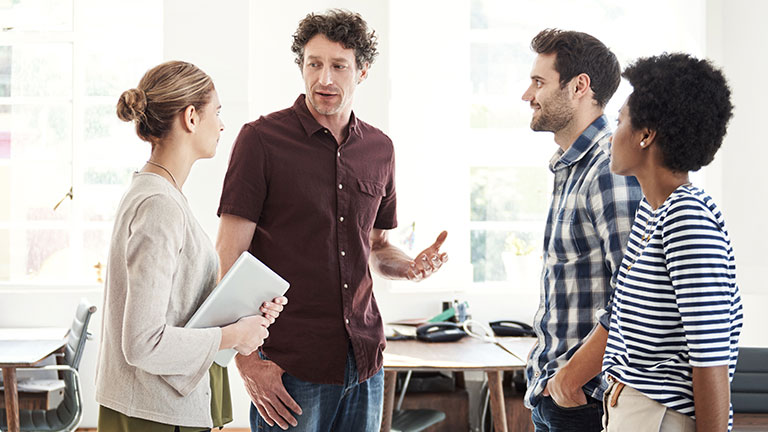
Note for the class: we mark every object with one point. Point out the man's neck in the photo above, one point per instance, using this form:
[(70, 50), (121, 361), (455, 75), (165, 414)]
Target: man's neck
[(581, 121), (337, 123)]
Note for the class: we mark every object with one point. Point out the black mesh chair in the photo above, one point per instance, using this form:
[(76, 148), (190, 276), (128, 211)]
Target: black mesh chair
[(749, 389), (413, 420), (66, 416)]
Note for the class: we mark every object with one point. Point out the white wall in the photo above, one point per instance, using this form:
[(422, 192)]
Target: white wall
[(737, 41), (244, 45)]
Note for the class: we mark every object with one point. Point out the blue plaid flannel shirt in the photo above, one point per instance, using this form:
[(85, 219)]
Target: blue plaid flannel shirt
[(588, 226)]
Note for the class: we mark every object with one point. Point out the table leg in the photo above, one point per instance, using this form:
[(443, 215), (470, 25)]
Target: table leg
[(389, 400), (498, 410), (11, 399)]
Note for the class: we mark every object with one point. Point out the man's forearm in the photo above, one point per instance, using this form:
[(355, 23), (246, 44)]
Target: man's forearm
[(234, 237), (390, 262)]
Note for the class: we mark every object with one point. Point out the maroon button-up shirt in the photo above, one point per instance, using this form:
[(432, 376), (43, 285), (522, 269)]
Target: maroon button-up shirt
[(314, 203)]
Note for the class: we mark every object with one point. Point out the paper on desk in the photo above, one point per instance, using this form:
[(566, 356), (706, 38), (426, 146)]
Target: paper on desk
[(521, 346), (399, 330)]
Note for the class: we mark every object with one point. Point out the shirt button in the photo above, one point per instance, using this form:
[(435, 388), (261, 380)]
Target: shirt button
[(325, 130), (338, 154), (343, 253), (346, 320), (345, 286), (341, 186), (341, 218)]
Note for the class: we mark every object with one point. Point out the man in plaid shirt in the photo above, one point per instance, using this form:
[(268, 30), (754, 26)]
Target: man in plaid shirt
[(573, 77)]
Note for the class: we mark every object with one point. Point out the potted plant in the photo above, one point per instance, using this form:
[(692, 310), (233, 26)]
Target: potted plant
[(521, 264)]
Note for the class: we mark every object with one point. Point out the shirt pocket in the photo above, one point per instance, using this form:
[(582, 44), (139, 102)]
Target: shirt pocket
[(371, 193), (566, 236)]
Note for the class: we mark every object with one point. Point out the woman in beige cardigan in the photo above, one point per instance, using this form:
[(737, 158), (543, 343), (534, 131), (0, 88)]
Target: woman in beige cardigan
[(154, 374)]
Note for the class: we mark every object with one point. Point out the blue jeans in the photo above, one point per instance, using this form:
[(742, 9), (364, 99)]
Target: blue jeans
[(353, 407), (547, 416)]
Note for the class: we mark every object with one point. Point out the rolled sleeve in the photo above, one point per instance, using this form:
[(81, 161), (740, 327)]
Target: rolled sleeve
[(612, 205)]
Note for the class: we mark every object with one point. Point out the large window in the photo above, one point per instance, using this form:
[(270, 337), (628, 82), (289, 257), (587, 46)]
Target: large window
[(63, 64), (457, 115)]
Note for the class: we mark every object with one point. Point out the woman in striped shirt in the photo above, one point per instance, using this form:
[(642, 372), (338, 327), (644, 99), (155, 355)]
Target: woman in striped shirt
[(677, 314)]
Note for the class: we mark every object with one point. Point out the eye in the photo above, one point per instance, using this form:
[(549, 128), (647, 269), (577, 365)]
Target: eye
[(340, 66), (539, 84)]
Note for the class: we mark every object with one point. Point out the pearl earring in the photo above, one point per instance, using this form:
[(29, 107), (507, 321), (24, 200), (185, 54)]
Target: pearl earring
[(642, 143)]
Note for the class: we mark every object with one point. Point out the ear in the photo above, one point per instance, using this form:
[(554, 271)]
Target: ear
[(190, 118), (581, 86), (363, 72), (649, 137)]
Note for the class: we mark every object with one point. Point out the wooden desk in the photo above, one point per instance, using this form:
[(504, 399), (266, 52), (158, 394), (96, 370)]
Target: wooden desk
[(24, 348), (465, 355)]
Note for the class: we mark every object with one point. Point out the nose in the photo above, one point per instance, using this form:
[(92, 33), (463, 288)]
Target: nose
[(325, 76), (528, 95)]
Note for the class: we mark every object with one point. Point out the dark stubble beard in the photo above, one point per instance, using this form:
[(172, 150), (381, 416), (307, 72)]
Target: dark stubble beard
[(555, 115)]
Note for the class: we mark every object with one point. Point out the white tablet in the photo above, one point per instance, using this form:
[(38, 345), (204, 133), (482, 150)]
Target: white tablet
[(241, 292)]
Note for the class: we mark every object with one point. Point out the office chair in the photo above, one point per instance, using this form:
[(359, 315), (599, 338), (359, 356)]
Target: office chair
[(67, 416), (749, 388), (415, 420)]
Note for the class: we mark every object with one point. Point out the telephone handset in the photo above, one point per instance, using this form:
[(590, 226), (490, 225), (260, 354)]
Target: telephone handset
[(511, 328), (443, 331)]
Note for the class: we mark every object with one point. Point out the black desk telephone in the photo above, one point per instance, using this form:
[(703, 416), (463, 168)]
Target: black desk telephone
[(511, 328), (443, 331)]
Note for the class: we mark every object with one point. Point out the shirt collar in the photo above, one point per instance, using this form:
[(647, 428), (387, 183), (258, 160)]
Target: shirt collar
[(583, 144), (311, 126)]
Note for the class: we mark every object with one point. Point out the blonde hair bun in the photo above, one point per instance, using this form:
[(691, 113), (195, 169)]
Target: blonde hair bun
[(172, 87), (131, 105)]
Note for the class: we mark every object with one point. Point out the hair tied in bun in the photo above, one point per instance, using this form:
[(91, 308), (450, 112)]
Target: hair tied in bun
[(132, 105)]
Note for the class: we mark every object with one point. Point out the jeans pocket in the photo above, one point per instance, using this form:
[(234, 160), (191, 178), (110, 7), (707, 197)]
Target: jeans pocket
[(576, 408)]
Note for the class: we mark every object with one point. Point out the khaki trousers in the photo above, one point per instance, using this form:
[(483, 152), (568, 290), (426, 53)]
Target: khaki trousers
[(636, 412)]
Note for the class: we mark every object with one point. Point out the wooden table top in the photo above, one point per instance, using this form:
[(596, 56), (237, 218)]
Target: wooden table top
[(21, 347), (466, 354)]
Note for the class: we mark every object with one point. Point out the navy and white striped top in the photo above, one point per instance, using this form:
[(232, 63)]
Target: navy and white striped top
[(676, 305)]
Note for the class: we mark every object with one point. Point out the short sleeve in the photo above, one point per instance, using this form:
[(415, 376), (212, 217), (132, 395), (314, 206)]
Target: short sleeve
[(245, 184), (697, 259), (386, 217)]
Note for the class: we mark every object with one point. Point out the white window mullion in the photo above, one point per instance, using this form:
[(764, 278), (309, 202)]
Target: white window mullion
[(77, 223)]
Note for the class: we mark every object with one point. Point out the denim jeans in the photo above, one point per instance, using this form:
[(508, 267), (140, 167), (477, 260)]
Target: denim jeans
[(547, 416), (353, 407)]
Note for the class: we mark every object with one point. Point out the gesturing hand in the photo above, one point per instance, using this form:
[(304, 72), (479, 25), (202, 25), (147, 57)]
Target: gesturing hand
[(428, 261), (263, 381)]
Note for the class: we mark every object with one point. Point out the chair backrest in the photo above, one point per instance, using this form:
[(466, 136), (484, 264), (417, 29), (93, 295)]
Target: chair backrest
[(78, 333), (749, 389), (67, 416)]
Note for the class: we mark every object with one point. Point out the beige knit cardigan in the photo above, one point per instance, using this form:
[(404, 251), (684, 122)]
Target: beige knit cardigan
[(161, 267)]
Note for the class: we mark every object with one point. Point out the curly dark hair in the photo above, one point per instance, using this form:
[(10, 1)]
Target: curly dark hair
[(578, 53), (687, 102), (338, 25)]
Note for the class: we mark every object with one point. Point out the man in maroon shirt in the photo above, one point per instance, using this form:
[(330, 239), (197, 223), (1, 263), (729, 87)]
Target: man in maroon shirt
[(310, 191)]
